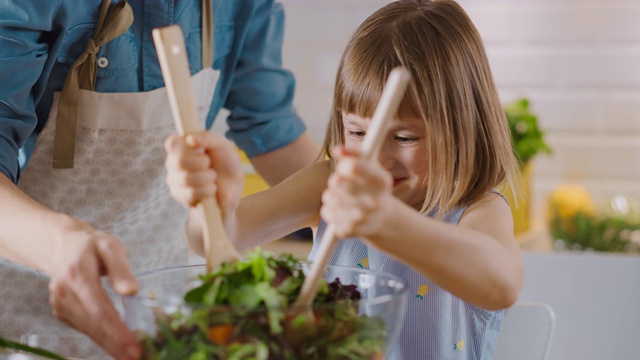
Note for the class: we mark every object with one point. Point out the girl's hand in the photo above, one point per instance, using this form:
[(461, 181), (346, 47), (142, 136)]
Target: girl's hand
[(202, 165), (78, 261), (354, 201)]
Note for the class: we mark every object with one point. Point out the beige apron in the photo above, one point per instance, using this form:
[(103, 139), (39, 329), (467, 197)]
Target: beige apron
[(116, 184)]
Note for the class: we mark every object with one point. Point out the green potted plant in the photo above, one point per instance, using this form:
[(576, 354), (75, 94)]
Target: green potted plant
[(528, 141)]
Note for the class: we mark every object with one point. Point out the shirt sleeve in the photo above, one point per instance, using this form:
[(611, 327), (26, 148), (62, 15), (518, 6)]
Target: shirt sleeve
[(23, 55), (262, 117)]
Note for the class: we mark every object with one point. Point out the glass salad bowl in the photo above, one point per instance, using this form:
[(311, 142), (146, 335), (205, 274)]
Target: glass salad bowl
[(244, 311)]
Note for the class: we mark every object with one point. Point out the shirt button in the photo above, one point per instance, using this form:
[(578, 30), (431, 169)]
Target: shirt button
[(103, 62)]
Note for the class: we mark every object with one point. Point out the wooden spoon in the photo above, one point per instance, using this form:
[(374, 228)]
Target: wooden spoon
[(385, 110), (169, 42)]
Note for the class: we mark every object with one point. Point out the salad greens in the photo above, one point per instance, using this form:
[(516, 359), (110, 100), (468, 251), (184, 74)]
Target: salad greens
[(242, 311)]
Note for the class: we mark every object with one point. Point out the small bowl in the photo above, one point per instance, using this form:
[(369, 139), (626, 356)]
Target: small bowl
[(383, 299)]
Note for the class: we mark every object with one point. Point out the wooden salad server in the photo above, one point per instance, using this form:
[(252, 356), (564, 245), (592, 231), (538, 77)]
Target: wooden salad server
[(169, 42), (386, 109)]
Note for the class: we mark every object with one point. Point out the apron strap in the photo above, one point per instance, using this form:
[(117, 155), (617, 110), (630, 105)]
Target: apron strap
[(82, 75), (207, 34)]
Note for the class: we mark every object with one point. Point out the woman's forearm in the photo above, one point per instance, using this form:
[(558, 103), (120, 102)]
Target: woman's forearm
[(30, 232)]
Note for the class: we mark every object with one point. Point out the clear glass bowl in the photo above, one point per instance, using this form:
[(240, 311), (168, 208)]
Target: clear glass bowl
[(382, 303)]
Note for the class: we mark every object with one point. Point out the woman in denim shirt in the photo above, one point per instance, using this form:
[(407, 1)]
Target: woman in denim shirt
[(83, 118)]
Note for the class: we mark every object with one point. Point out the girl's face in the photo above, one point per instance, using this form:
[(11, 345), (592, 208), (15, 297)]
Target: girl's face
[(403, 154)]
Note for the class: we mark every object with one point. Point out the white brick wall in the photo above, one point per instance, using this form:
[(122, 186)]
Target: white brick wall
[(578, 61)]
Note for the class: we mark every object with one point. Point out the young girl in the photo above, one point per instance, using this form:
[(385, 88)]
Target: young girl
[(426, 209)]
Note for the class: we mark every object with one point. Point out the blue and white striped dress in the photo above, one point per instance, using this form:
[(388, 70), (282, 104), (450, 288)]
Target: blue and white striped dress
[(437, 325)]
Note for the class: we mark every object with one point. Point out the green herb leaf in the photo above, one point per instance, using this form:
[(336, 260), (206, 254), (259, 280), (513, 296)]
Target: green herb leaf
[(8, 344)]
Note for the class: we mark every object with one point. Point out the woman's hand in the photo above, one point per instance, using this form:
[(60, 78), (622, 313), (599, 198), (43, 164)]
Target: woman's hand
[(80, 258), (357, 191), (203, 165)]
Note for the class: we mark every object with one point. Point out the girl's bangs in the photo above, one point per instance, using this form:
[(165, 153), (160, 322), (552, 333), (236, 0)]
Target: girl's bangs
[(358, 93)]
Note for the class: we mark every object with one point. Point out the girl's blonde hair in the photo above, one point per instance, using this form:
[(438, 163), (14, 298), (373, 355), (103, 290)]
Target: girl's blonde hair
[(469, 146)]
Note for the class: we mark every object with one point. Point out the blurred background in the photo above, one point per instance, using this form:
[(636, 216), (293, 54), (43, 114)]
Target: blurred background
[(576, 61)]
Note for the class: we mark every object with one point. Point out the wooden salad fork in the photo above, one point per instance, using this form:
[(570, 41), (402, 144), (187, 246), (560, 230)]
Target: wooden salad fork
[(169, 42)]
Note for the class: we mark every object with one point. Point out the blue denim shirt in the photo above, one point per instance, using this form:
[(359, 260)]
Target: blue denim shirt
[(39, 40)]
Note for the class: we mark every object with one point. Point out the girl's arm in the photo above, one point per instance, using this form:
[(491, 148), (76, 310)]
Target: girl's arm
[(478, 260), (291, 205), (207, 164)]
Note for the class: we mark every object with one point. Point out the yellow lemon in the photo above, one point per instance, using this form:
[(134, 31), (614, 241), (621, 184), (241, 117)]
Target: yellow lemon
[(569, 199)]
